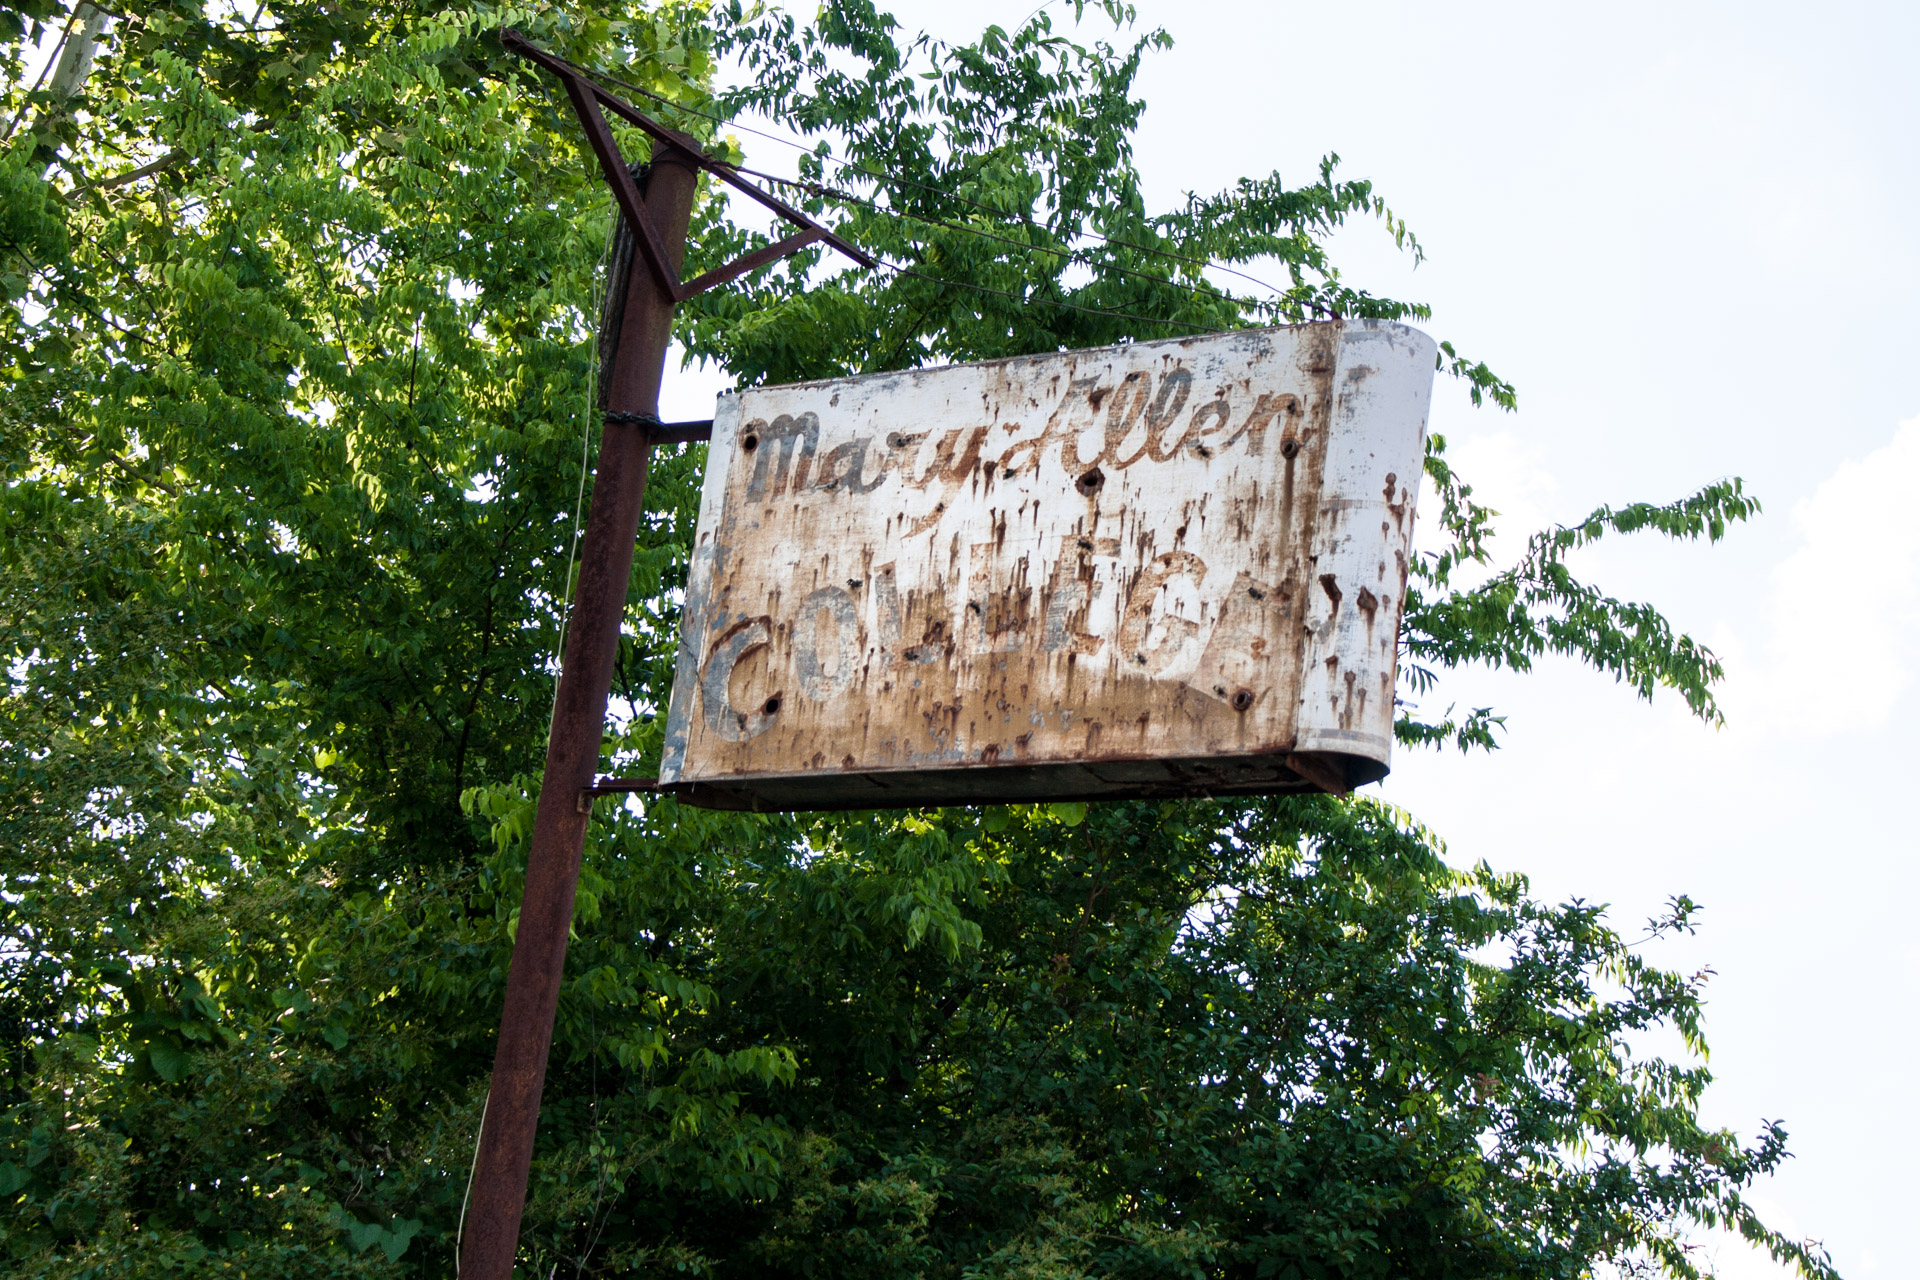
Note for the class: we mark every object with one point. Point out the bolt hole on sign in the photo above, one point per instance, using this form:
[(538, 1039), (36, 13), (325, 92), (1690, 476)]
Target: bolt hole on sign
[(1160, 569)]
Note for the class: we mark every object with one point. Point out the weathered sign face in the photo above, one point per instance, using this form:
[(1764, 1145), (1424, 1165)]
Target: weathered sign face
[(1168, 568)]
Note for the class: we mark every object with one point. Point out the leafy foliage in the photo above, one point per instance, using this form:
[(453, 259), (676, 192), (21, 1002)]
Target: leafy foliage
[(1538, 606), (298, 362)]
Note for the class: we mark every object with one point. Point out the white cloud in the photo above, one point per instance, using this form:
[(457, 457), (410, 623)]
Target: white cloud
[(1846, 602), (1509, 475)]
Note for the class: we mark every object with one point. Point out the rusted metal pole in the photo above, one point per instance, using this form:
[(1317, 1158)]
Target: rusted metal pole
[(499, 1186)]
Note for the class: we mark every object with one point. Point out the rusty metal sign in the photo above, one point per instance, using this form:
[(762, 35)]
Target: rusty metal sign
[(1160, 569)]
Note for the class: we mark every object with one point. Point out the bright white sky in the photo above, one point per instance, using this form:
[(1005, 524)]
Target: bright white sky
[(1687, 232)]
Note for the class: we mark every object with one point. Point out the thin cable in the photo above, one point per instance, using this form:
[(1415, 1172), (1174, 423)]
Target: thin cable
[(1024, 300), (559, 649), (586, 442), (1002, 214), (1077, 255), (890, 178), (460, 1231)]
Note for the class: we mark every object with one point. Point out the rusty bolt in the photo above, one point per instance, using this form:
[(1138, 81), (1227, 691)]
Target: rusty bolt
[(1090, 483), (1242, 699), (749, 443), (1290, 447), (772, 705)]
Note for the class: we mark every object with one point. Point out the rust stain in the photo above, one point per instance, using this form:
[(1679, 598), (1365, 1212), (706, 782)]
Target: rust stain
[(1039, 567)]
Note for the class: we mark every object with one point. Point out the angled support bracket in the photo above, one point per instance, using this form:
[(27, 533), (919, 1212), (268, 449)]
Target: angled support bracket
[(591, 103)]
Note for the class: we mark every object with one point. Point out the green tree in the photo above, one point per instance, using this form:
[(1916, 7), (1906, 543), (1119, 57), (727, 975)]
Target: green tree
[(298, 365)]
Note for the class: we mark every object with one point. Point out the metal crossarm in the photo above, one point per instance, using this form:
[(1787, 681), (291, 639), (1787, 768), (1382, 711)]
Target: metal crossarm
[(591, 103)]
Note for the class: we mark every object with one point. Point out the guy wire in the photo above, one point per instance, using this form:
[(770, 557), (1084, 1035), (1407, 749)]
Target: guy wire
[(586, 445), (460, 1230), (899, 270), (597, 297), (875, 176), (834, 193)]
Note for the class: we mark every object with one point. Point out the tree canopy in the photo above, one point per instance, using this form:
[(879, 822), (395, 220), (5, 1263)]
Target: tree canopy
[(298, 364)]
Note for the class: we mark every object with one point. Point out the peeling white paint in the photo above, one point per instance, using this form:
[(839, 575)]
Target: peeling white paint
[(1160, 568)]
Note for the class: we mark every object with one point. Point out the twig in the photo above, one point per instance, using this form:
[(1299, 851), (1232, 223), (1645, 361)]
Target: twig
[(166, 161)]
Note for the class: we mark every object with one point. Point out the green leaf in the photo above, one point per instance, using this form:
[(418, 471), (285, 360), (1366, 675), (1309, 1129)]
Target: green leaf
[(394, 1241), (1068, 813), (169, 1060), (12, 1178)]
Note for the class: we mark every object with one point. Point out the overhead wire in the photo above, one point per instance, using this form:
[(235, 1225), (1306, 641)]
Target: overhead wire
[(1110, 313), (598, 293), (586, 443), (897, 180), (1031, 299), (1070, 253)]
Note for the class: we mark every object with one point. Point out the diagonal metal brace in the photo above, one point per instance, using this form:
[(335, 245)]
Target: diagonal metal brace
[(591, 103), (625, 193)]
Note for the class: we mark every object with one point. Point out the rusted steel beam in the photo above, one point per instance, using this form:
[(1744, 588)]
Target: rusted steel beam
[(682, 432), (622, 786), (656, 219), (747, 262), (492, 1222), (513, 42), (586, 104), (659, 432), (725, 172), (588, 98)]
